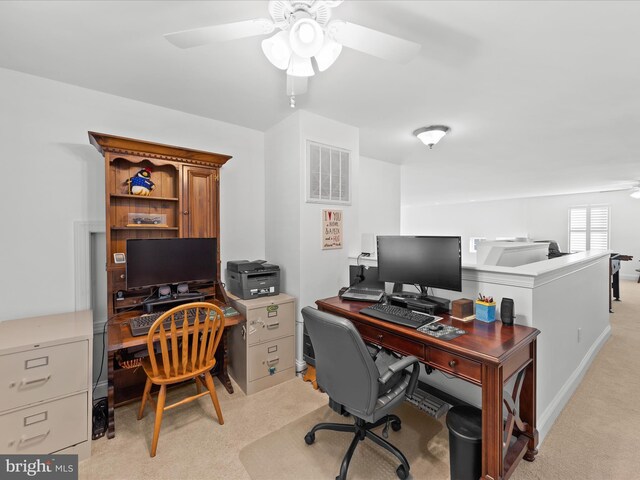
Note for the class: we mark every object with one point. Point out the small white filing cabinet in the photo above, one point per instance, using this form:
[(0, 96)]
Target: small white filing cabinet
[(262, 349), (45, 384)]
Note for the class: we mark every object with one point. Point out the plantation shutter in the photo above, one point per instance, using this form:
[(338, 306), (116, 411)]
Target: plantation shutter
[(599, 228), (588, 228)]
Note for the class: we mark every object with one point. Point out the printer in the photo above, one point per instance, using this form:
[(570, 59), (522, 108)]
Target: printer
[(248, 280)]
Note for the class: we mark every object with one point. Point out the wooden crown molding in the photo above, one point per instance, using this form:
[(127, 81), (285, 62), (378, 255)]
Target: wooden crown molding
[(129, 146)]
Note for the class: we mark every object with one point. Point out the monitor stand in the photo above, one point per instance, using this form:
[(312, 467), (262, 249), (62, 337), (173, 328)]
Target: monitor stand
[(169, 301), (440, 305)]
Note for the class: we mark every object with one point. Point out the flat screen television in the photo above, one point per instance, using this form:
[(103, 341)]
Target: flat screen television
[(153, 262), (426, 261)]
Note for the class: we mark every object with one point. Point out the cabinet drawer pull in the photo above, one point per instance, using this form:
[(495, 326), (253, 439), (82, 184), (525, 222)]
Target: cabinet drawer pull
[(273, 361), (186, 212), (35, 437), (35, 380), (453, 363), (122, 276), (273, 325), (380, 336)]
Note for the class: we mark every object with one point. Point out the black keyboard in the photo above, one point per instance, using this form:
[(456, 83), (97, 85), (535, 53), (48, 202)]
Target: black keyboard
[(398, 315), (141, 325)]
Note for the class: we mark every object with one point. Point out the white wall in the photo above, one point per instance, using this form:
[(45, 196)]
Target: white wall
[(379, 197), (542, 218), (53, 178), (323, 272), (282, 171), (294, 227)]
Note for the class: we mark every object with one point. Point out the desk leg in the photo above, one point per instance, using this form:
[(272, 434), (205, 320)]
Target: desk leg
[(492, 461), (222, 358), (111, 424), (528, 406)]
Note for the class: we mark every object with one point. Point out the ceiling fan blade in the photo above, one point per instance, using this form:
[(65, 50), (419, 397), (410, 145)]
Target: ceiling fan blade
[(220, 33), (373, 42), (296, 85)]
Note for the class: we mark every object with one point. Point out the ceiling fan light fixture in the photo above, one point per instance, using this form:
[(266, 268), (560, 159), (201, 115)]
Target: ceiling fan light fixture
[(635, 192), (277, 50), (328, 54), (300, 67), (431, 135), (306, 37)]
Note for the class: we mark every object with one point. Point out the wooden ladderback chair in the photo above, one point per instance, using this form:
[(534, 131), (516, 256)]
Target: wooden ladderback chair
[(186, 352)]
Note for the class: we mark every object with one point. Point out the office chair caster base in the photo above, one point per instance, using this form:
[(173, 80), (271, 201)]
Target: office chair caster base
[(401, 472), (309, 438)]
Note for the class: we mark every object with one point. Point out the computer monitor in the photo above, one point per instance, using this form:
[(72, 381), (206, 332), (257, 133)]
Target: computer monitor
[(426, 261), (153, 262)]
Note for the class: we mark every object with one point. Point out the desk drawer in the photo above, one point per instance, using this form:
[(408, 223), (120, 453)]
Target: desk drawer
[(42, 373), (45, 428), (455, 364), (390, 340)]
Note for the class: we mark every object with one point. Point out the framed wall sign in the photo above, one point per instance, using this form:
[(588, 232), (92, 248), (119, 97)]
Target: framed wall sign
[(331, 229)]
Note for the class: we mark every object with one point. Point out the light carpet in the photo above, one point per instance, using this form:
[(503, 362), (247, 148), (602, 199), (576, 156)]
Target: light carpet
[(597, 434), (595, 437), (284, 454)]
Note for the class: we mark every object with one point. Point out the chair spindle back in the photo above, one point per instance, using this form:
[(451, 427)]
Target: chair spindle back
[(186, 349)]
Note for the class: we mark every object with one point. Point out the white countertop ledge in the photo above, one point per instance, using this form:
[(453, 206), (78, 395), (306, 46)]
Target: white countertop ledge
[(534, 274)]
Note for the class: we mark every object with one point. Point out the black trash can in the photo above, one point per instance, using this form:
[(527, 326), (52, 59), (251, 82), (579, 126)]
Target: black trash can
[(465, 442)]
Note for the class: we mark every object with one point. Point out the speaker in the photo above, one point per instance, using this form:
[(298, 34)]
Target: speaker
[(164, 291), (183, 288), (507, 312)]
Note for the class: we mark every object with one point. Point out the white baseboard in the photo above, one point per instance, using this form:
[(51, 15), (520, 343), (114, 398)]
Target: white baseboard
[(300, 365), (549, 416)]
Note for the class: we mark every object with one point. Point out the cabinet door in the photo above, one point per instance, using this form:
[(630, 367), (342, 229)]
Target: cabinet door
[(199, 202)]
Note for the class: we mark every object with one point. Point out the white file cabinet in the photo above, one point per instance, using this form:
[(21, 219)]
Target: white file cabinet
[(262, 349), (45, 384)]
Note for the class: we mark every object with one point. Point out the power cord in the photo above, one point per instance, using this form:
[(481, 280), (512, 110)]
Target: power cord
[(104, 332), (100, 406)]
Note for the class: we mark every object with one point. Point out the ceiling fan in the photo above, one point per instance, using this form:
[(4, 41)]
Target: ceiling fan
[(305, 31)]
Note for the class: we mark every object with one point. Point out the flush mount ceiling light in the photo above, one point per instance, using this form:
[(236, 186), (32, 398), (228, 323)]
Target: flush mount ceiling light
[(431, 135), (307, 39), (635, 192)]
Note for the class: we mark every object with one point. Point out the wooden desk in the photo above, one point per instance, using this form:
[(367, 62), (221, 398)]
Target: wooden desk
[(119, 335), (489, 355)]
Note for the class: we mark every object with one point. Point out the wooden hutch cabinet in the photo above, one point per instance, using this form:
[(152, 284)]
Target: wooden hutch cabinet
[(185, 198), (184, 203)]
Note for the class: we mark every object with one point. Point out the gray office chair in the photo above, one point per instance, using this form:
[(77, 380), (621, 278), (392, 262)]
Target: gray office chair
[(348, 373)]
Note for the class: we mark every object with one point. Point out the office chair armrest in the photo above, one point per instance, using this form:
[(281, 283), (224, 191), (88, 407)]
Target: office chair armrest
[(400, 365)]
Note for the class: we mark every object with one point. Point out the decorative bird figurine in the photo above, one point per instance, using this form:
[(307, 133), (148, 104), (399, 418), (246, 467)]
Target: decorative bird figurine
[(140, 183)]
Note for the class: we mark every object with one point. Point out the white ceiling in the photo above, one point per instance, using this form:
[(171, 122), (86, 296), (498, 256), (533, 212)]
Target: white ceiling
[(542, 97)]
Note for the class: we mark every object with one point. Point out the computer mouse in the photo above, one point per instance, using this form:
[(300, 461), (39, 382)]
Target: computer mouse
[(435, 327)]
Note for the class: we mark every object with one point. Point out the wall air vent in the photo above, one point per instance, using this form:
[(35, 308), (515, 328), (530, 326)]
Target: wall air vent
[(328, 174)]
